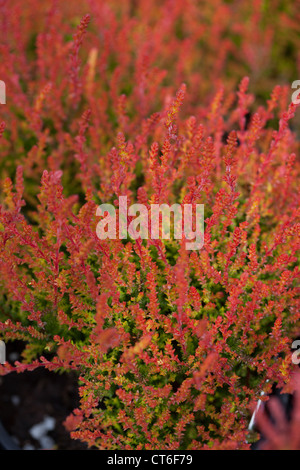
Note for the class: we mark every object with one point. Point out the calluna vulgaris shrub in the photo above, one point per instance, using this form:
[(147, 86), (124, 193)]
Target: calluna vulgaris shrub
[(162, 102)]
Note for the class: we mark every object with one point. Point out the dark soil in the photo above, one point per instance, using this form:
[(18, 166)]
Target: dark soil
[(27, 398)]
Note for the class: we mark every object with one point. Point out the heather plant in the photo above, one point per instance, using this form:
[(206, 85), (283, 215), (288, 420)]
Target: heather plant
[(172, 347)]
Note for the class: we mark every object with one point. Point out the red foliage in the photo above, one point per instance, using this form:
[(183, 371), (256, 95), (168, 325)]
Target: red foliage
[(279, 431), (172, 347)]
